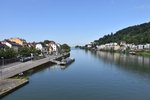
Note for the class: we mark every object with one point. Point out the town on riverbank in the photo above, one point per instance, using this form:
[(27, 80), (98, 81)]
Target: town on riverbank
[(123, 47), (17, 49), (18, 56)]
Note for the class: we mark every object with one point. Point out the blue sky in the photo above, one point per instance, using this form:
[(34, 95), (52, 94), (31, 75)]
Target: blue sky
[(69, 21)]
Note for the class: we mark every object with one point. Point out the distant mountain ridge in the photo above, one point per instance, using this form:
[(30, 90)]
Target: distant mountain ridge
[(137, 34)]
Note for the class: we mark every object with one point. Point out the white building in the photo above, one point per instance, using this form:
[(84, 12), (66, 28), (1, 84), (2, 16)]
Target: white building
[(140, 47), (100, 47), (109, 46), (147, 46), (39, 47), (42, 48), (89, 45), (54, 48)]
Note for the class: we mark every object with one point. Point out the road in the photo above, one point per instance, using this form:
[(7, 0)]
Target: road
[(16, 68)]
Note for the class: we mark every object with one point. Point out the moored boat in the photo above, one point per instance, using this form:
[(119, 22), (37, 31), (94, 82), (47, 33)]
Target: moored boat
[(67, 61)]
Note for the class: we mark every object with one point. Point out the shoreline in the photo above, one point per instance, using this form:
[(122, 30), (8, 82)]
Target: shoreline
[(145, 53)]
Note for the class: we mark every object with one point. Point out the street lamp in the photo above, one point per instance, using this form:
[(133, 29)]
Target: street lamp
[(2, 61), (31, 56), (2, 65)]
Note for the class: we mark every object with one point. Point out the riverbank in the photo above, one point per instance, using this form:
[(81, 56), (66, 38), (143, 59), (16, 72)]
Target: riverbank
[(143, 53), (132, 52)]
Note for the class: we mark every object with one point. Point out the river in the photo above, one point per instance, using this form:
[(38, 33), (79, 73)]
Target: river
[(93, 76)]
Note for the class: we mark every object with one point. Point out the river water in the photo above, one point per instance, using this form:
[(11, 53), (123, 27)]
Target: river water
[(93, 76)]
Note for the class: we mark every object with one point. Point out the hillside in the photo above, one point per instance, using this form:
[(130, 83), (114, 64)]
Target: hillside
[(138, 34)]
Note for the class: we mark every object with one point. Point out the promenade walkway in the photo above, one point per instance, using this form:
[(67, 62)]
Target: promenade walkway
[(7, 72)]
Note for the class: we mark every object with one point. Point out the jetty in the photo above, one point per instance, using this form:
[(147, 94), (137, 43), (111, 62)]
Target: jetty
[(63, 61)]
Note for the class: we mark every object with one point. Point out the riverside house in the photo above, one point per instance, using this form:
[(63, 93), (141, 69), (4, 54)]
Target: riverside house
[(147, 46), (109, 46), (19, 41), (43, 48), (49, 48), (123, 46), (12, 45), (53, 48)]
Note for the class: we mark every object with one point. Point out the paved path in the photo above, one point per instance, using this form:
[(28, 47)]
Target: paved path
[(10, 65), (21, 67), (9, 85)]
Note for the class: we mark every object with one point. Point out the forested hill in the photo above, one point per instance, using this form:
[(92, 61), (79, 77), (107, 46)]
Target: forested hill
[(138, 34)]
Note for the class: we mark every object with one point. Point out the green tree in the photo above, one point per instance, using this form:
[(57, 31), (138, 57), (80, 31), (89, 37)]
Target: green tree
[(46, 41), (65, 48), (138, 34), (7, 53), (24, 51)]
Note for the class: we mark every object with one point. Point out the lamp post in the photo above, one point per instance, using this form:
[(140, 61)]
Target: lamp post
[(2, 61), (2, 65), (31, 56)]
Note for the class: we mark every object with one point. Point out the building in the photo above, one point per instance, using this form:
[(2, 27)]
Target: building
[(59, 50), (109, 46), (147, 46), (12, 45), (89, 45), (55, 48), (101, 47), (18, 41), (116, 47), (123, 43), (140, 47), (43, 48)]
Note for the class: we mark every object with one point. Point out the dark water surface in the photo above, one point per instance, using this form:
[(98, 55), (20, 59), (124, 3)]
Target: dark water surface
[(93, 76)]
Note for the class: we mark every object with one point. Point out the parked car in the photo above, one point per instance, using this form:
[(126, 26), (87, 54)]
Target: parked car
[(24, 59)]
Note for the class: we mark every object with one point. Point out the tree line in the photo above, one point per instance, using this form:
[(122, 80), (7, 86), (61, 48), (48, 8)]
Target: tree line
[(8, 53)]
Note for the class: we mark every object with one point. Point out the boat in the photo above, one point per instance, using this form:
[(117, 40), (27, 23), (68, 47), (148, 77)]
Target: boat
[(67, 61), (132, 53)]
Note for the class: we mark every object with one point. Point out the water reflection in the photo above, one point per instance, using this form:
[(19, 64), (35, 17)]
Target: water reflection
[(63, 67), (93, 76), (38, 69), (48, 66), (129, 62)]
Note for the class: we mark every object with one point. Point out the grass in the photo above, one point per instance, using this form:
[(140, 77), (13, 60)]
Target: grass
[(144, 53), (20, 77)]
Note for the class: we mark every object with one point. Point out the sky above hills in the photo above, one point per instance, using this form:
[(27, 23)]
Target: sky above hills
[(69, 21)]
